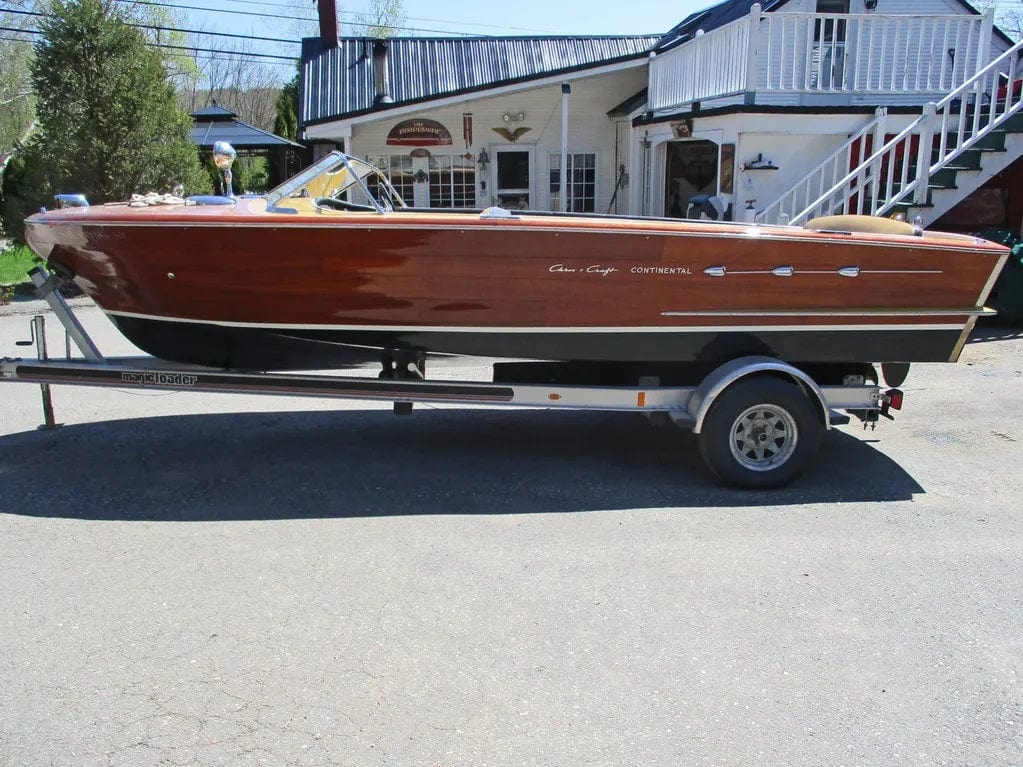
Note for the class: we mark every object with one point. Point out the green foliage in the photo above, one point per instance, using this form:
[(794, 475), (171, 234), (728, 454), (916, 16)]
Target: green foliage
[(26, 187), (253, 174), (286, 122), (17, 104), (109, 120), (15, 263), (248, 174)]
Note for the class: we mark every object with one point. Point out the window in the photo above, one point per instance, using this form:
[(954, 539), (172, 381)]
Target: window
[(581, 177), (452, 182), (398, 168)]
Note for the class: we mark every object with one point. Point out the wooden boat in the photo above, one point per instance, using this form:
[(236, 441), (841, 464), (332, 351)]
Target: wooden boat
[(333, 259)]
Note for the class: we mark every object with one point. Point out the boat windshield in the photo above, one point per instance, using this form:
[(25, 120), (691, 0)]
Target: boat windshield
[(340, 177)]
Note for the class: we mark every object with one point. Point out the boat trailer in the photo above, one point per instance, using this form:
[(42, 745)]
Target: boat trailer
[(759, 419)]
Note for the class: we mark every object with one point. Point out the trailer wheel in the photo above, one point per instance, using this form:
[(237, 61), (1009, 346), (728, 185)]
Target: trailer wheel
[(760, 433)]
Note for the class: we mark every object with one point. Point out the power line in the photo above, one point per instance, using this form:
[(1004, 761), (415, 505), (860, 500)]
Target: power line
[(416, 18), (280, 16), (309, 19), (178, 29), (200, 56), (197, 49)]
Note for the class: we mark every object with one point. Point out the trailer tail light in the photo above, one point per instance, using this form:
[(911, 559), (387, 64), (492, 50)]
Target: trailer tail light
[(891, 400), (894, 398)]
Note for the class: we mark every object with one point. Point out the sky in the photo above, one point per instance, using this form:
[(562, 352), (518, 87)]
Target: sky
[(425, 18), (433, 18), (437, 17)]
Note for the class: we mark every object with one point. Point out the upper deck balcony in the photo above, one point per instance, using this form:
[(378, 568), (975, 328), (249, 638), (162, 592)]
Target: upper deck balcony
[(815, 59)]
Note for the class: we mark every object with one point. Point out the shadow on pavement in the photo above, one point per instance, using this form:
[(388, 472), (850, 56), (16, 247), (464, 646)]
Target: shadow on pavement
[(265, 466), (995, 330)]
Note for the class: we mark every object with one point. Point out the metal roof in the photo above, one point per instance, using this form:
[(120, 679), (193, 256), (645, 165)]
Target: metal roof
[(338, 82), (712, 18), (214, 123)]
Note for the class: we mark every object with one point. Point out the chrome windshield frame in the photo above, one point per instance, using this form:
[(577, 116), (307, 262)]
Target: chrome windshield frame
[(290, 187)]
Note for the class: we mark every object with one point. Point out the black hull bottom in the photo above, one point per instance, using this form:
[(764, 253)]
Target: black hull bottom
[(260, 349)]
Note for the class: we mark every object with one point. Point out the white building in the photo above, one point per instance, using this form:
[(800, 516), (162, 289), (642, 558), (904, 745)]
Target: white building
[(775, 113)]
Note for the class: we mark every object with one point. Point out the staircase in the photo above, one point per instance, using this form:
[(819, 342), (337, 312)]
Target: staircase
[(943, 156)]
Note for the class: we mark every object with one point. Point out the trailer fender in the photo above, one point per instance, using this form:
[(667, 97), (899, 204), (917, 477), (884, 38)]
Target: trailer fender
[(742, 367)]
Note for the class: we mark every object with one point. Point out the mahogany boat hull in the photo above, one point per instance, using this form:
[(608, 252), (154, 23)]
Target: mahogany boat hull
[(249, 288)]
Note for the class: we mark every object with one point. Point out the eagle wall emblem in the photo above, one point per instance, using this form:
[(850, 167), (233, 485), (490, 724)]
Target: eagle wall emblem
[(512, 135)]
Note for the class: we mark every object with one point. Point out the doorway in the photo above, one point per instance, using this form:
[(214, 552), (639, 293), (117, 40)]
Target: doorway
[(512, 168), (829, 41), (690, 171)]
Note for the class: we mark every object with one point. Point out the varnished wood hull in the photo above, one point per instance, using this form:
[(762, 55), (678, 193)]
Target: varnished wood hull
[(250, 289)]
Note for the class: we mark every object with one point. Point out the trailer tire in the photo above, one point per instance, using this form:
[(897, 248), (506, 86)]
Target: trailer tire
[(760, 433)]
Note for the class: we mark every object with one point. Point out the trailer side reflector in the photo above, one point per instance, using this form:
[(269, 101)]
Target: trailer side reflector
[(641, 399), (894, 397), (554, 396)]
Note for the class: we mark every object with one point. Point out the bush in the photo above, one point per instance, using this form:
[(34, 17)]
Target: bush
[(25, 189)]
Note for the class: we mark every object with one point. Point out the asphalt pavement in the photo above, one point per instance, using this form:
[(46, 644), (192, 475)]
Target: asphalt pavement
[(196, 579)]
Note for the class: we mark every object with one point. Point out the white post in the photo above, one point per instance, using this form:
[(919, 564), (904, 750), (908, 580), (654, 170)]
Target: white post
[(984, 43), (983, 52), (880, 129), (923, 153), (753, 39), (566, 89)]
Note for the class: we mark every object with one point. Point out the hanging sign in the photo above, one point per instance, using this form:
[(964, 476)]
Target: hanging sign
[(418, 133)]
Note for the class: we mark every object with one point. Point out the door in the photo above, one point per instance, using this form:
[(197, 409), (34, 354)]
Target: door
[(829, 42), (513, 188)]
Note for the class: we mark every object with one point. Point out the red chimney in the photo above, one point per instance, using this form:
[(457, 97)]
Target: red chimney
[(328, 22)]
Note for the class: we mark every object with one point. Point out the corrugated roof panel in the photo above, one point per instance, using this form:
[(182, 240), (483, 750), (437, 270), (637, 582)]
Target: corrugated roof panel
[(339, 81)]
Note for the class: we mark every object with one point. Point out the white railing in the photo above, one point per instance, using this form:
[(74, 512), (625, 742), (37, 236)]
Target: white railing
[(710, 65), (832, 53), (811, 188), (806, 53), (903, 166)]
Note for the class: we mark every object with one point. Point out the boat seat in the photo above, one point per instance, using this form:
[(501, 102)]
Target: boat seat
[(334, 204), (863, 224)]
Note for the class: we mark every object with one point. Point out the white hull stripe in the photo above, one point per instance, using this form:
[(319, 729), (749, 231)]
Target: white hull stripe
[(480, 330)]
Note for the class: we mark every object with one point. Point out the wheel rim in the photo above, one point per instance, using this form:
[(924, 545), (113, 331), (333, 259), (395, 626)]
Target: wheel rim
[(763, 437)]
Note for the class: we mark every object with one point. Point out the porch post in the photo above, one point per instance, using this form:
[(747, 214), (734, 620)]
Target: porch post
[(566, 89), (923, 153), (753, 38), (880, 130)]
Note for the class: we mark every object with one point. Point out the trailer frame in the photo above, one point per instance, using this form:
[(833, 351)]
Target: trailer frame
[(690, 406)]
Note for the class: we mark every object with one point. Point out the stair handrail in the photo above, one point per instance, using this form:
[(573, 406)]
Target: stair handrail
[(772, 212), (925, 125)]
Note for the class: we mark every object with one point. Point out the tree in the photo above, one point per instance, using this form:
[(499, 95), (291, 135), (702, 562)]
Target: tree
[(16, 100), (286, 121), (383, 18), (109, 122)]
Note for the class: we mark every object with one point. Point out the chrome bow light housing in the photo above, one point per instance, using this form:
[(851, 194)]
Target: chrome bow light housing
[(223, 157)]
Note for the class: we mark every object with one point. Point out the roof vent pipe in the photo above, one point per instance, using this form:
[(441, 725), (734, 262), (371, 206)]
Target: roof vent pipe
[(327, 10), (381, 80)]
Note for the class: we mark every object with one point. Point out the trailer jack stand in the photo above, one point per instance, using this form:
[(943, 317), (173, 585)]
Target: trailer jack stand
[(38, 338)]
